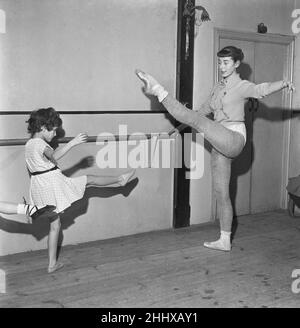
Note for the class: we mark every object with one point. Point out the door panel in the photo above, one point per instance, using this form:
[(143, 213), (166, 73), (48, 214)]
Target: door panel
[(268, 130)]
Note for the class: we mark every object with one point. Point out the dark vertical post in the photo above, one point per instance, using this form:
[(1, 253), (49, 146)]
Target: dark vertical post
[(184, 93)]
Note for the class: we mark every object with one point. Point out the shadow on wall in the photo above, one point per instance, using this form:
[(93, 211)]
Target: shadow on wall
[(40, 228)]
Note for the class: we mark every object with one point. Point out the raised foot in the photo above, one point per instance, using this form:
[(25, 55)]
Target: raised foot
[(127, 177), (149, 81)]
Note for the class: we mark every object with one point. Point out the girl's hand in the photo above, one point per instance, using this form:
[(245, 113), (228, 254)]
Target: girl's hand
[(79, 139)]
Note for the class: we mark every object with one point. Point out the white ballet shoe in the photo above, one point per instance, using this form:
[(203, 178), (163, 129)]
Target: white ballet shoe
[(218, 245), (151, 87), (127, 177), (149, 81)]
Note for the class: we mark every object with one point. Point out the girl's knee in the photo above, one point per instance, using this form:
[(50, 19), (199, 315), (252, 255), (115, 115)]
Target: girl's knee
[(225, 200), (222, 197), (55, 225), (236, 151)]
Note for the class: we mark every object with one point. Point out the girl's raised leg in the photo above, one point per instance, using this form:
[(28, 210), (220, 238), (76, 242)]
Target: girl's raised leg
[(227, 142), (11, 208), (31, 211), (110, 181)]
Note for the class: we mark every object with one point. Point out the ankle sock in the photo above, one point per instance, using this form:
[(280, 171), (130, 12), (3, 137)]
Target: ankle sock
[(223, 243), (160, 92), (225, 237)]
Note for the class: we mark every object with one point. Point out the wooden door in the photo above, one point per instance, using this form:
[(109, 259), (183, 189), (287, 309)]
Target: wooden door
[(268, 131)]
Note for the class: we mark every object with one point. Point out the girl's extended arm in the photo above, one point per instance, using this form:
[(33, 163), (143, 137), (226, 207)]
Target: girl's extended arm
[(54, 155), (251, 90), (279, 85)]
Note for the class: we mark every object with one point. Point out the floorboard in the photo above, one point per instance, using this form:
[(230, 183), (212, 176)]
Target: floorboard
[(167, 268)]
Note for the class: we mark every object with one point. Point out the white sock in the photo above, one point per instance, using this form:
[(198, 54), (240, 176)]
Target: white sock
[(225, 237), (26, 209), (160, 92), (223, 243)]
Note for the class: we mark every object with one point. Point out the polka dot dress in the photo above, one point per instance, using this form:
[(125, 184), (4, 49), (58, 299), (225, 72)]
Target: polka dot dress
[(51, 188)]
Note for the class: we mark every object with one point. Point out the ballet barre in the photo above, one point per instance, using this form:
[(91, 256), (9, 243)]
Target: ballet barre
[(101, 138), (118, 137)]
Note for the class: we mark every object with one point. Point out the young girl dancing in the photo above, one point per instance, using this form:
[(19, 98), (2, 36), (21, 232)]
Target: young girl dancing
[(48, 185), (226, 132)]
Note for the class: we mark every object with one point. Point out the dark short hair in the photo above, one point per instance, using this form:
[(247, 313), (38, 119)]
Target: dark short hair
[(233, 52), (47, 117)]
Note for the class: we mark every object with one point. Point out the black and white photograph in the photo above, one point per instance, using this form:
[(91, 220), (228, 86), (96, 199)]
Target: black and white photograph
[(149, 157)]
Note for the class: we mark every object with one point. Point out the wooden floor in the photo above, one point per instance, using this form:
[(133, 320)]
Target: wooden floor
[(166, 269)]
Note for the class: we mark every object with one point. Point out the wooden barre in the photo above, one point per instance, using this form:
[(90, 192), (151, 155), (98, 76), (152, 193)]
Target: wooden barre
[(100, 138)]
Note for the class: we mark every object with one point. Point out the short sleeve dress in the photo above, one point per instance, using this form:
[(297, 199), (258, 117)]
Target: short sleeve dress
[(50, 188)]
